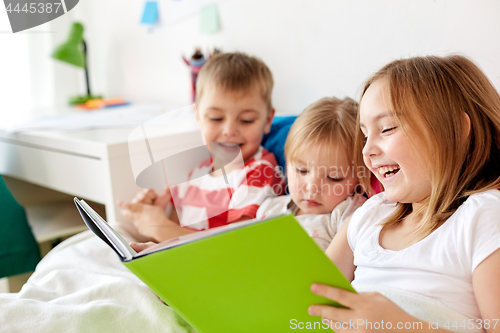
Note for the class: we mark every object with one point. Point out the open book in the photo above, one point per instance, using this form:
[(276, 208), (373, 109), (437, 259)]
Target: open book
[(252, 276)]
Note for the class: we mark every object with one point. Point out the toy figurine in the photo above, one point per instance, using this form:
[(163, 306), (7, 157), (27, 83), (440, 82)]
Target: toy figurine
[(195, 63)]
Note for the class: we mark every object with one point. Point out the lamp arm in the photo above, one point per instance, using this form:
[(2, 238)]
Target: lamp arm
[(86, 67)]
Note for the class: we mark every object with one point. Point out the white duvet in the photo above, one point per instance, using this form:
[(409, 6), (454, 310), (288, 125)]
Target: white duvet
[(81, 286)]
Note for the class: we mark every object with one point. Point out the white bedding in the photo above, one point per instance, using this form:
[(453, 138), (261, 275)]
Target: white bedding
[(81, 286)]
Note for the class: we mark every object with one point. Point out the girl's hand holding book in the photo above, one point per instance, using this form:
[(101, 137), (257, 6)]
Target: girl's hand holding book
[(363, 308)]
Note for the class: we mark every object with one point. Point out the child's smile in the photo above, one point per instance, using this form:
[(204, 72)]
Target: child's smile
[(387, 153), (388, 171), (229, 146), (234, 120)]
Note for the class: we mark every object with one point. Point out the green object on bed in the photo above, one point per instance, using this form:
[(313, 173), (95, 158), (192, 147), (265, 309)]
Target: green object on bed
[(254, 278), (19, 252)]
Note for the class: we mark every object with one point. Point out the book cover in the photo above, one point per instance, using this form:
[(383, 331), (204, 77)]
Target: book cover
[(252, 276)]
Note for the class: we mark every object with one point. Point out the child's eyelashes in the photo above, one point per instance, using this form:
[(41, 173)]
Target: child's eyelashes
[(301, 171), (387, 130), (304, 171), (243, 121), (335, 180)]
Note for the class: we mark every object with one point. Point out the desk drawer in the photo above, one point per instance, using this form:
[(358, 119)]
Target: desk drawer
[(72, 174)]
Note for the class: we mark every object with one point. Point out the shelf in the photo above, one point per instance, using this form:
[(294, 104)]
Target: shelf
[(50, 221)]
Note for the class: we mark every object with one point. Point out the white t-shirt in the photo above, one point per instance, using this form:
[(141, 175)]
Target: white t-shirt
[(321, 227), (439, 266)]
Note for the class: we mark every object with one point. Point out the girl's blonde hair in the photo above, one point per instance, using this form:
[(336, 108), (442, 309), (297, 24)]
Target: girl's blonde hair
[(328, 125), (429, 97)]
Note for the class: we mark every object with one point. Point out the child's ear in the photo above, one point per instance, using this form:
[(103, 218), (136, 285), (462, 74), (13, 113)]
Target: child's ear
[(269, 121), (197, 115), (195, 108)]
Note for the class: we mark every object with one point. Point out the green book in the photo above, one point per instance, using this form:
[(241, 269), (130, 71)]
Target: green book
[(252, 276)]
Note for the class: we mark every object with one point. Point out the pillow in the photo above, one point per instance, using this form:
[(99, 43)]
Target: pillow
[(274, 141)]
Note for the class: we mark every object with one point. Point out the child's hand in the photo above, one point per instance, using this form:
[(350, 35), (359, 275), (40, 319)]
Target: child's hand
[(363, 307), (150, 197), (150, 220), (138, 247), (163, 200), (146, 196)]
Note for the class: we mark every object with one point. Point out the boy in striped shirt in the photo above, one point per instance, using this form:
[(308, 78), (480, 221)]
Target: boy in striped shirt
[(234, 110)]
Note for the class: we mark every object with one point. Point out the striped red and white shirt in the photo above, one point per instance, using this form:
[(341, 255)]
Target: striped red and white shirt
[(208, 201)]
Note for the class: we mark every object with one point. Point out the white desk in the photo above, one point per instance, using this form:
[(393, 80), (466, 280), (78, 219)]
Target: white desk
[(91, 164)]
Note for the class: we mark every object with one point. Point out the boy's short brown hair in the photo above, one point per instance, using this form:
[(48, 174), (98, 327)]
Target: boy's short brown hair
[(328, 123), (236, 72)]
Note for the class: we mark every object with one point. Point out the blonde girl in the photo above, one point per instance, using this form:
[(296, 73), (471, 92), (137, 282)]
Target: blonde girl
[(322, 179), (430, 132)]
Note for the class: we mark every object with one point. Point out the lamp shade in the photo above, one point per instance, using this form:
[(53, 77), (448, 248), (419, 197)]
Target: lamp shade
[(70, 50)]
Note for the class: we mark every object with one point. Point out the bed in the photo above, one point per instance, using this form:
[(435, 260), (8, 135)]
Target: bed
[(81, 285)]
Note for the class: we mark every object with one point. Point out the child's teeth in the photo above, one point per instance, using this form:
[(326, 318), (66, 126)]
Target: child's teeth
[(384, 170)]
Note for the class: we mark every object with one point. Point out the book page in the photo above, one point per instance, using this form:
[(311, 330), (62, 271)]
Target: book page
[(102, 229)]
